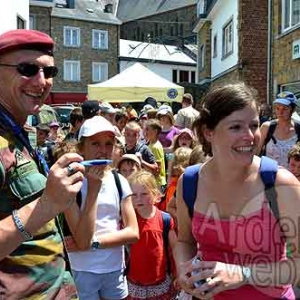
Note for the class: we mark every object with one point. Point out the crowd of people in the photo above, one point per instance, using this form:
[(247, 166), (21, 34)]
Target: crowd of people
[(185, 207)]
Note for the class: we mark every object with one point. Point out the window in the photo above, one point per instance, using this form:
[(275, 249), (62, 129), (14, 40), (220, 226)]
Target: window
[(215, 46), (290, 13), (21, 24), (71, 36), (193, 77), (202, 57), (201, 7), (100, 71), (100, 39), (184, 76), (174, 76), (71, 70), (227, 47), (32, 22)]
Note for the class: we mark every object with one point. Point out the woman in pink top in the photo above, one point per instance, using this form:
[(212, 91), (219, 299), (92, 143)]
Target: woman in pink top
[(241, 244)]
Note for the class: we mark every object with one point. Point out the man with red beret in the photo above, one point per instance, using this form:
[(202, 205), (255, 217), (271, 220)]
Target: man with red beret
[(32, 263)]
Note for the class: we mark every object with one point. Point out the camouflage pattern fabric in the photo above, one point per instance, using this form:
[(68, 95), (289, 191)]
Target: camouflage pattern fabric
[(36, 269)]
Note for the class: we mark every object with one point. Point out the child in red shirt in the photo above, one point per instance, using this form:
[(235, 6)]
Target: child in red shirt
[(148, 276)]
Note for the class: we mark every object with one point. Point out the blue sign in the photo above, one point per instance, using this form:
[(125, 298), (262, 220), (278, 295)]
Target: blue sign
[(172, 93)]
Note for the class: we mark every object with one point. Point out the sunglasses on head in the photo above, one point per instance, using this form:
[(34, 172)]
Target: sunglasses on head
[(31, 69)]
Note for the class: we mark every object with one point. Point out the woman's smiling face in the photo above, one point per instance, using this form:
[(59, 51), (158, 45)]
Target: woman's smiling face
[(237, 136)]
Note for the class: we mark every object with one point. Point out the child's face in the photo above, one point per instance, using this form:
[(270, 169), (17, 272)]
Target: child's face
[(131, 137), (122, 123), (184, 140), (150, 133), (127, 168), (141, 197), (294, 166), (98, 146)]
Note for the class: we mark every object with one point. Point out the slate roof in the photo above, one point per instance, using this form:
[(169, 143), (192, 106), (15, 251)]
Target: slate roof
[(129, 10), (86, 10), (154, 52)]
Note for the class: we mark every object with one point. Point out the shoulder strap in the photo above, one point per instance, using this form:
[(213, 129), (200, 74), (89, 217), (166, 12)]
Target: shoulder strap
[(297, 129), (268, 170), (166, 217), (189, 186), (118, 183), (271, 131)]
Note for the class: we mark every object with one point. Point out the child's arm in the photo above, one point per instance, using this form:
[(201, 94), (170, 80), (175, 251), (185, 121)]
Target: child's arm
[(129, 234), (82, 223), (171, 209)]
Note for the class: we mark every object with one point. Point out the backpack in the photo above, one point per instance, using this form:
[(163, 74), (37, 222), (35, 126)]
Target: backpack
[(166, 217), (268, 170), (271, 131)]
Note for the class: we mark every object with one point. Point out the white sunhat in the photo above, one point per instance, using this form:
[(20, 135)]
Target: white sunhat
[(95, 125)]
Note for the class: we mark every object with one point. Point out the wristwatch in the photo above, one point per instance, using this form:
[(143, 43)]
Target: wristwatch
[(246, 271), (95, 244)]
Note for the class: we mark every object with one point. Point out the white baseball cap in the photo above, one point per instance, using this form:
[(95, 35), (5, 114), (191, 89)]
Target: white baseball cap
[(95, 125), (106, 107), (164, 109)]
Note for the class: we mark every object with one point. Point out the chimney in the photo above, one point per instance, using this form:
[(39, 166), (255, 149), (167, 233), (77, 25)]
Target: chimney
[(71, 3), (108, 8)]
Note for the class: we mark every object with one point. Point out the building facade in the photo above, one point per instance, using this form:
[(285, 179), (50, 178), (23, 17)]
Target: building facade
[(86, 35), (233, 43), (161, 21), (285, 47), (14, 14)]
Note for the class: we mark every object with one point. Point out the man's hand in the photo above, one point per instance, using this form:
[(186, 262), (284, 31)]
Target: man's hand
[(64, 182)]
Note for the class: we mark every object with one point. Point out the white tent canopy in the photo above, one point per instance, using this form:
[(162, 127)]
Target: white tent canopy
[(135, 84)]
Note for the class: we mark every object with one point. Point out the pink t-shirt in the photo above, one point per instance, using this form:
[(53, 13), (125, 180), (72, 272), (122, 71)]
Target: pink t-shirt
[(255, 238), (166, 137)]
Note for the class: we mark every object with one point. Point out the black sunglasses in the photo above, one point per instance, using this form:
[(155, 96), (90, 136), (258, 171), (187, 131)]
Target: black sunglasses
[(30, 69)]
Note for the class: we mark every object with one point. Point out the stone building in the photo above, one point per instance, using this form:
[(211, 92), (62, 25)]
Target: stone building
[(160, 21), (233, 43), (86, 35), (285, 47)]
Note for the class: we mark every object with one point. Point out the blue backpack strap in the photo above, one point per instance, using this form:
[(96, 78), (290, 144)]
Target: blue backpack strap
[(189, 186), (166, 217), (268, 170)]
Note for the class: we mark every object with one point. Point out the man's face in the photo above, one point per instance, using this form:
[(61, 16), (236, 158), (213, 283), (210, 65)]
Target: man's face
[(21, 95)]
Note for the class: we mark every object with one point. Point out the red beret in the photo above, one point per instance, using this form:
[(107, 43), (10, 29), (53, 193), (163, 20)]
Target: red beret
[(26, 39)]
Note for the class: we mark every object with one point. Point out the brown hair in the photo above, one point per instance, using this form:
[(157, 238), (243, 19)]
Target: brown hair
[(197, 156), (64, 147), (132, 125), (218, 104), (294, 152), (154, 124)]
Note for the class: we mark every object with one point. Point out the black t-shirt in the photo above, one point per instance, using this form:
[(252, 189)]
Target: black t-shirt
[(146, 153)]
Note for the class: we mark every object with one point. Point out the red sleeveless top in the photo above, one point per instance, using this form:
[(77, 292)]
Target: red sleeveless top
[(243, 240)]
